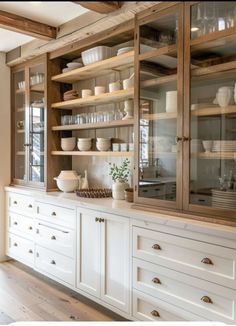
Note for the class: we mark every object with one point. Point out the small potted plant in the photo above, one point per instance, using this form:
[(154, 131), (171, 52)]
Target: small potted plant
[(119, 176)]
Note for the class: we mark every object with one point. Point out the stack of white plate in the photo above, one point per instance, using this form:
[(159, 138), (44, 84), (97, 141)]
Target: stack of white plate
[(196, 146), (124, 50), (223, 199), (72, 66), (224, 146)]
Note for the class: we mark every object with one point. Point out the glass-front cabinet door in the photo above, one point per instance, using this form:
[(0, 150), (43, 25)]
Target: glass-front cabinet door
[(29, 125), (210, 109), (159, 63)]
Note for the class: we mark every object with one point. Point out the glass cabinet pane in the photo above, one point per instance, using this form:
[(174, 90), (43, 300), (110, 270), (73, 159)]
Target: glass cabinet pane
[(19, 125), (36, 124), (158, 106), (212, 16)]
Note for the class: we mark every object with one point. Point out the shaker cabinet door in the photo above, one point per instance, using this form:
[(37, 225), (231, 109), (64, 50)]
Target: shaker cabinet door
[(115, 261), (88, 252)]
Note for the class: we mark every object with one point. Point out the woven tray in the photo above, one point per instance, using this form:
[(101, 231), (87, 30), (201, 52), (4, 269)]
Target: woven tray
[(94, 193)]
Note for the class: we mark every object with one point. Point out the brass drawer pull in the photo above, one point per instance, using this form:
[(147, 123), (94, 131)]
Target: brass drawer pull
[(101, 220), (15, 244), (30, 228), (155, 313), (206, 299), (15, 202), (30, 206), (30, 251), (54, 214), (156, 280), (156, 246), (96, 219), (207, 261), (53, 262), (53, 237), (15, 223)]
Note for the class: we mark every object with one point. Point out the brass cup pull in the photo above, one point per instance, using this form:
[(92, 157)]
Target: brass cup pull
[(96, 219), (30, 228), (101, 220), (156, 280), (53, 237), (15, 244), (207, 261), (15, 202), (206, 299), (30, 206), (15, 223), (155, 313), (53, 214), (156, 246), (53, 262), (30, 251)]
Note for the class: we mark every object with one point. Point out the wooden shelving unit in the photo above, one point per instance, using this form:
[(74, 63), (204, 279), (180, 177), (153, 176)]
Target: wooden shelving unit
[(100, 125), (96, 69), (92, 153), (216, 155), (37, 88), (211, 111), (117, 96)]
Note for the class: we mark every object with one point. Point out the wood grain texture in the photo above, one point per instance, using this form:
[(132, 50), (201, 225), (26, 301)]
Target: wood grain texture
[(102, 7), (26, 26), (26, 295)]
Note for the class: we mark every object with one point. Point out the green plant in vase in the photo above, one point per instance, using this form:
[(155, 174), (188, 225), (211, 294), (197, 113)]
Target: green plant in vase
[(120, 175)]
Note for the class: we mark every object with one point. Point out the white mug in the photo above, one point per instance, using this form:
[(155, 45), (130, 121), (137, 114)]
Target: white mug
[(86, 93), (99, 90), (128, 83), (114, 86)]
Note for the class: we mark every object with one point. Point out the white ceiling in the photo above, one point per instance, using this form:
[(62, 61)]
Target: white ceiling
[(53, 13)]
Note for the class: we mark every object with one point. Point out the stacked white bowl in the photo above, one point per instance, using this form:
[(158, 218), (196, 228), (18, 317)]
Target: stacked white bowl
[(67, 181), (103, 144), (68, 144), (84, 144)]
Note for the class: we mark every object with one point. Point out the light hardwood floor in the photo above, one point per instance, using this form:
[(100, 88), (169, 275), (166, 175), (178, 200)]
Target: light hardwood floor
[(27, 296)]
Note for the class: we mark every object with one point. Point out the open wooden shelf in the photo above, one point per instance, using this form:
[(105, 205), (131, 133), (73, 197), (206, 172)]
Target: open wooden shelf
[(159, 116), (37, 88), (159, 81), (117, 96), (216, 155), (92, 153), (214, 69), (99, 125), (96, 69), (210, 111)]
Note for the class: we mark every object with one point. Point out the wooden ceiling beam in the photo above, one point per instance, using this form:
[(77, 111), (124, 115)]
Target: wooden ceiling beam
[(26, 26), (102, 7)]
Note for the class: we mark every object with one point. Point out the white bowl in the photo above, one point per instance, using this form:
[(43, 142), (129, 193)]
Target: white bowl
[(103, 146), (84, 140), (207, 144), (74, 65), (84, 146), (96, 54), (67, 185), (68, 144), (103, 139), (67, 175)]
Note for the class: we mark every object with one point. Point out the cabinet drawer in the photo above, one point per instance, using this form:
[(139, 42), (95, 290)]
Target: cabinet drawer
[(22, 225), (58, 238), (20, 204), (207, 261), (20, 249), (56, 214), (148, 308), (200, 297), (52, 263)]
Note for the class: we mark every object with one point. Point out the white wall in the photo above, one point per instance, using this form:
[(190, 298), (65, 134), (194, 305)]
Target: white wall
[(4, 144)]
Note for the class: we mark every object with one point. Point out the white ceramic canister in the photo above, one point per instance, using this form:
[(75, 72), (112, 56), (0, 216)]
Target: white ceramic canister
[(99, 90)]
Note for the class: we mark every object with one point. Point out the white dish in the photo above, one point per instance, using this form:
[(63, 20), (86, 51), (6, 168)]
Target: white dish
[(68, 144), (67, 175), (96, 54), (67, 185), (105, 146), (84, 140), (66, 70), (124, 50), (74, 65)]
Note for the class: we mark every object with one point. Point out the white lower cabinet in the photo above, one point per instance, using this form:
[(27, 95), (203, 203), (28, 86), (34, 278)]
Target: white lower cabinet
[(20, 249), (103, 257)]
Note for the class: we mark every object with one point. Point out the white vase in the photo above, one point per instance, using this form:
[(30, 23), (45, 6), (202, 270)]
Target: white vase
[(118, 190), (129, 109)]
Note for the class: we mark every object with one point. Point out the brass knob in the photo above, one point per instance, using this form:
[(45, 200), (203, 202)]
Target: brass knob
[(53, 237), (101, 220), (206, 299), (30, 251), (96, 219), (156, 246), (30, 206), (156, 280), (15, 223), (15, 244), (155, 313), (15, 202), (53, 214), (53, 262), (207, 261), (31, 228)]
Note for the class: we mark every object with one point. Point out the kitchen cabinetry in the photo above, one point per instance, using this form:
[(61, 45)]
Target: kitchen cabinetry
[(185, 118), (103, 256)]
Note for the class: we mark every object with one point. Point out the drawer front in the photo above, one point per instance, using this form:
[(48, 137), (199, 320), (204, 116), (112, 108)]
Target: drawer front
[(52, 263), (56, 214), (21, 225), (208, 261), (21, 204), (59, 239), (20, 249), (200, 297), (147, 308)]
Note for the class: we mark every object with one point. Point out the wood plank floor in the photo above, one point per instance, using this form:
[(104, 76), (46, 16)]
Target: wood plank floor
[(26, 295)]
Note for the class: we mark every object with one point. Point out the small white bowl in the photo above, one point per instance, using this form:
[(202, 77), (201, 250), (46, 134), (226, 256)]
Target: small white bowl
[(103, 147), (68, 144), (67, 185), (84, 145), (84, 140)]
